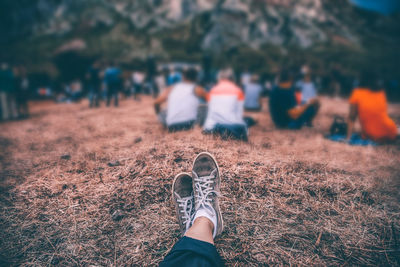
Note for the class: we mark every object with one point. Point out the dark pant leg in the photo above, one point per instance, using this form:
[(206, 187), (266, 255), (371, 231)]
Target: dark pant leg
[(307, 117), (235, 131), (192, 252), (202, 114), (112, 92), (109, 94), (309, 114), (250, 122), (116, 97), (94, 95), (91, 97), (97, 97), (183, 126), (136, 90)]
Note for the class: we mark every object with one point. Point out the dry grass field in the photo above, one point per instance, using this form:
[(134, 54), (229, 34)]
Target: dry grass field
[(92, 187)]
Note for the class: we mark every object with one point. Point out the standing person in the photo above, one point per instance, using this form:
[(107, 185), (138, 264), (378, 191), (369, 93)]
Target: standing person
[(368, 103), (182, 103), (196, 199), (137, 83), (94, 82), (225, 109), (253, 91), (285, 111), (22, 92), (6, 92), (113, 82)]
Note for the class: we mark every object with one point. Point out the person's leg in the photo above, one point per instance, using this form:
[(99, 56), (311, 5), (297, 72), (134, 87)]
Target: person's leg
[(206, 189), (162, 117), (314, 113), (116, 99), (97, 98), (12, 106), (250, 122), (183, 126), (202, 114), (235, 131), (4, 105), (116, 95), (197, 248), (202, 229), (25, 107), (109, 94), (192, 252), (137, 91), (91, 97), (306, 118)]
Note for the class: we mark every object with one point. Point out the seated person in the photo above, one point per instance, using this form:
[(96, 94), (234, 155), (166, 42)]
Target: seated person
[(182, 103), (284, 110), (307, 89), (368, 103), (252, 92), (225, 109)]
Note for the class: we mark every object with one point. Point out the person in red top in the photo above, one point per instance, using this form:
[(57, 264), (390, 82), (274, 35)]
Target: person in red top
[(368, 103)]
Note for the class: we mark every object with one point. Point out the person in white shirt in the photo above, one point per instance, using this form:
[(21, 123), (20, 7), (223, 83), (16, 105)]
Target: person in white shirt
[(137, 83), (183, 100)]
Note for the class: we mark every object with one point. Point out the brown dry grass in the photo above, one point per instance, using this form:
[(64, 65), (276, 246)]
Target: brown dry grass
[(288, 197)]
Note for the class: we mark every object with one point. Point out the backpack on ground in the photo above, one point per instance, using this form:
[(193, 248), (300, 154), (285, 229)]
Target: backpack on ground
[(339, 126)]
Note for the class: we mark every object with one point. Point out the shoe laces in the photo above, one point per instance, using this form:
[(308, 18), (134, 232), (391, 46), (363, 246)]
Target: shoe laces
[(204, 189), (185, 205)]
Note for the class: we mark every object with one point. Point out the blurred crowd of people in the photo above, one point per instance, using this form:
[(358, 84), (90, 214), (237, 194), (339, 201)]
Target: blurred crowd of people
[(220, 108), (106, 82), (214, 99), (293, 104), (14, 92)]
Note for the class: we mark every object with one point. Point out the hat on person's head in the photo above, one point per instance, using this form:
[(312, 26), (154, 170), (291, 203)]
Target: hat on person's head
[(226, 74)]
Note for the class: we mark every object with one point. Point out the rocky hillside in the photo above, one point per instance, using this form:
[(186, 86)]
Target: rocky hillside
[(127, 29)]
